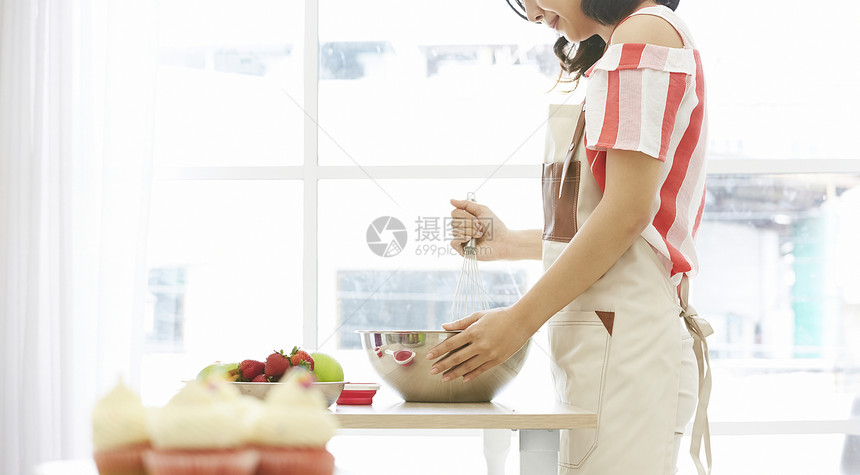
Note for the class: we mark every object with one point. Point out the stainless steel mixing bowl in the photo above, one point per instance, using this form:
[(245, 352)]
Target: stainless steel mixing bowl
[(400, 358)]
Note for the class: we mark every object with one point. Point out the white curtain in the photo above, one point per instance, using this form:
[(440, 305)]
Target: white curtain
[(76, 99)]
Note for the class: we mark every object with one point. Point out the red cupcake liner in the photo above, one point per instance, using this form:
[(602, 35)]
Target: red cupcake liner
[(201, 462), (126, 460), (295, 461)]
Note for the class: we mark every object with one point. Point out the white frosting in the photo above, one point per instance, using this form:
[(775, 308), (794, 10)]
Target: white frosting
[(208, 414), (119, 419), (294, 415)]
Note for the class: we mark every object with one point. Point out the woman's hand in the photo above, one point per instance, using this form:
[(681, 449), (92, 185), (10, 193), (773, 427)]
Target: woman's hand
[(494, 240), (471, 220), (488, 339)]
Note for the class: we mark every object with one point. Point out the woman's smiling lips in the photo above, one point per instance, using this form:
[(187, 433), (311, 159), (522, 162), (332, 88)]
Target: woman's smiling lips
[(554, 23)]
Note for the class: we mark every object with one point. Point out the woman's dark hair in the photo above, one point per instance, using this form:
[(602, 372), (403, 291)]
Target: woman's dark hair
[(587, 52)]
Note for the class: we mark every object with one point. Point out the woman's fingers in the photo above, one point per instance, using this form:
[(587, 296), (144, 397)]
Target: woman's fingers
[(470, 368), (456, 350), (469, 206), (451, 360), (466, 224), (477, 372), (462, 323), (462, 231), (459, 214), (462, 369), (447, 346), (488, 339)]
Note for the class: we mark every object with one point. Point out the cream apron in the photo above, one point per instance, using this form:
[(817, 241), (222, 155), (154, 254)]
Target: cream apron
[(617, 349)]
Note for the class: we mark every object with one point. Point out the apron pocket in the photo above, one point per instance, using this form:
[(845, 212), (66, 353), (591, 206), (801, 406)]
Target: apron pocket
[(559, 213), (579, 344)]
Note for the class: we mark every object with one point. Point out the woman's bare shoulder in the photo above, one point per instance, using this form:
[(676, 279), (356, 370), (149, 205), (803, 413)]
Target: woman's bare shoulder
[(648, 29)]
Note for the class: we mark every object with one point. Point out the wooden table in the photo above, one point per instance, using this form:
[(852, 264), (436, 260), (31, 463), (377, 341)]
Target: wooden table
[(538, 425)]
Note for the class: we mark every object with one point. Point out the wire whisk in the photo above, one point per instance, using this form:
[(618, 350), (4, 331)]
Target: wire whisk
[(470, 296)]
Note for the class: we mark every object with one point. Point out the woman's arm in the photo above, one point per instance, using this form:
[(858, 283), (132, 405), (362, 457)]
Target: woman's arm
[(526, 244), (623, 213), (620, 217)]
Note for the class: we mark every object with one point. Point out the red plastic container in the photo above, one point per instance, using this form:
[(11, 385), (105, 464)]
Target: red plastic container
[(358, 394)]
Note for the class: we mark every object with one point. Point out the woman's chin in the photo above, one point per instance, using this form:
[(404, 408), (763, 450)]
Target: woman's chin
[(571, 38)]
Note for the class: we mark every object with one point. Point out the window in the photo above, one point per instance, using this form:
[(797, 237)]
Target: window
[(417, 93), (275, 156), (779, 286), (228, 73)]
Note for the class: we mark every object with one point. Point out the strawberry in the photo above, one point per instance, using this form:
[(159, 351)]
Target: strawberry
[(260, 378), (277, 364), (249, 369), (301, 358)]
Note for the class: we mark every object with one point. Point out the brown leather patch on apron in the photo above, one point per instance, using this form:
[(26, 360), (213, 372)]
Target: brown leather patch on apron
[(608, 319), (560, 181), (559, 214)]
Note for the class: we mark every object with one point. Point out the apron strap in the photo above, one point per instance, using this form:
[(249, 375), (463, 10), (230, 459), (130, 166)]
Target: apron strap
[(577, 135), (699, 329)]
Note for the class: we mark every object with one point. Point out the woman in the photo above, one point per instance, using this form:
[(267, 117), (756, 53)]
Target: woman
[(622, 208)]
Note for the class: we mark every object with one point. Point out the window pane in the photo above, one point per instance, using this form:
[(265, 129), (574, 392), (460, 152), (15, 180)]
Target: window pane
[(779, 284), (772, 93), (469, 87), (225, 277), (226, 75), (467, 84)]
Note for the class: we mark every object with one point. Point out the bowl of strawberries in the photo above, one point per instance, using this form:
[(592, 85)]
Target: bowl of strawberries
[(330, 390), (255, 378)]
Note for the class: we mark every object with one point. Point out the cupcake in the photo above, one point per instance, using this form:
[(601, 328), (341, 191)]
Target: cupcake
[(292, 429), (120, 434), (202, 430)]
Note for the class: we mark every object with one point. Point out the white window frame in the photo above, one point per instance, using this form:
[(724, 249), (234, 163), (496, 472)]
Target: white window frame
[(310, 172)]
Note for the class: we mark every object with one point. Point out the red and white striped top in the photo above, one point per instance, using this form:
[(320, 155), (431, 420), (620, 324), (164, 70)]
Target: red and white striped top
[(651, 99)]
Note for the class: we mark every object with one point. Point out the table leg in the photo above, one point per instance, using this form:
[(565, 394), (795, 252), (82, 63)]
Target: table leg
[(497, 443), (538, 452)]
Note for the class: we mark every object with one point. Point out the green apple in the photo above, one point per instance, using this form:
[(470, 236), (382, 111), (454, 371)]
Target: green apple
[(227, 371), (326, 368)]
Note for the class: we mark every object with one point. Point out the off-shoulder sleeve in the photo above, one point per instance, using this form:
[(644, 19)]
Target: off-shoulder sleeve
[(638, 96)]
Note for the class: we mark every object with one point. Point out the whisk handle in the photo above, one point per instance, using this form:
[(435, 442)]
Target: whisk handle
[(470, 196)]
